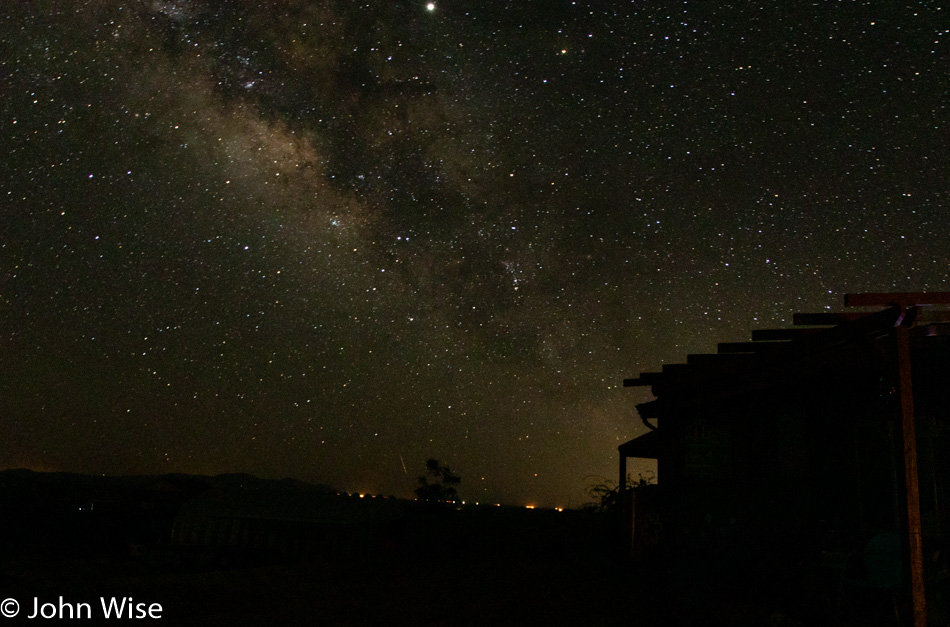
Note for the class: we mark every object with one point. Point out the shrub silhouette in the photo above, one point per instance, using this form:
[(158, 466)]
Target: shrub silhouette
[(438, 483)]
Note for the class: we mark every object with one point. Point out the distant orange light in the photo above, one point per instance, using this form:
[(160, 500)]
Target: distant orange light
[(529, 506)]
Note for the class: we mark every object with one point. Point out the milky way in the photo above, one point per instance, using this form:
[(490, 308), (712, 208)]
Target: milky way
[(309, 239)]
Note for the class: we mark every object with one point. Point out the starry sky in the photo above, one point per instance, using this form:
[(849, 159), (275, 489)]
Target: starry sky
[(329, 239)]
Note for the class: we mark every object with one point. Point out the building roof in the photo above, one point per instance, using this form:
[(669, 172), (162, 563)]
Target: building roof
[(647, 446), (775, 354)]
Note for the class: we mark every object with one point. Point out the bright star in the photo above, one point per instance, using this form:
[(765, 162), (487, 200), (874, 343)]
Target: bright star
[(430, 6)]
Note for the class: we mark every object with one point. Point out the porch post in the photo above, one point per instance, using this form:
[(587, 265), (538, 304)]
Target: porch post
[(910, 476), (626, 512)]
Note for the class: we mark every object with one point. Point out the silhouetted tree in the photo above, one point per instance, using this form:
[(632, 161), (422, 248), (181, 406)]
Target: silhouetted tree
[(438, 483), (606, 496)]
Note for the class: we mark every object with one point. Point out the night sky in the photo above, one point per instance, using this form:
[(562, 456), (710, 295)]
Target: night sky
[(324, 239)]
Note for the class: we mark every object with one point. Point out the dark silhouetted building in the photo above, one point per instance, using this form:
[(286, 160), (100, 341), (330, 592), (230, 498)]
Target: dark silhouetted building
[(786, 457)]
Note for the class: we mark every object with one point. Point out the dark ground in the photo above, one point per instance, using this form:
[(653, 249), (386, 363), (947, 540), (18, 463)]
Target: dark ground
[(473, 592), (415, 565), (495, 591), (469, 590)]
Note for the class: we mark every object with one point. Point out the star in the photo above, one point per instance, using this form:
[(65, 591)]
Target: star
[(344, 223)]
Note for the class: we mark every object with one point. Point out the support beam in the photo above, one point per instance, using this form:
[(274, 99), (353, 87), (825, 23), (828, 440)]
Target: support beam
[(623, 476), (908, 430), (825, 318), (646, 378), (717, 361), (765, 335), (626, 511), (759, 348)]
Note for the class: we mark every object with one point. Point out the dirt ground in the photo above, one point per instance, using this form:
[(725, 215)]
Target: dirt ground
[(419, 592)]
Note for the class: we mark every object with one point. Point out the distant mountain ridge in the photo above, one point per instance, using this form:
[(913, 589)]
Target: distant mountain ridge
[(21, 478)]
